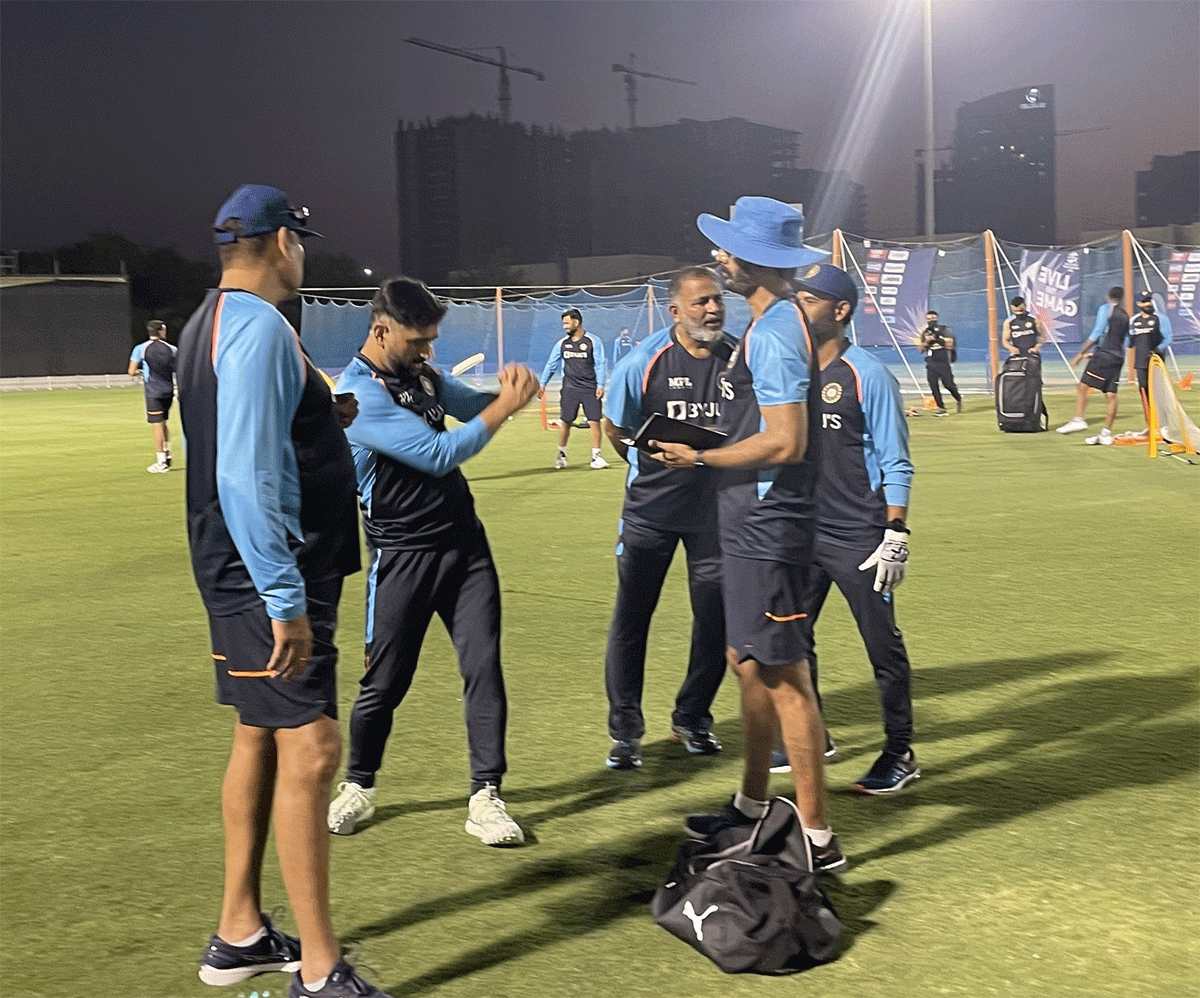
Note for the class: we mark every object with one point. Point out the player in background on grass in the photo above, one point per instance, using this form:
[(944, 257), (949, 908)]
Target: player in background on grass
[(675, 372), (154, 362), (429, 553), (273, 531), (580, 357), (1105, 348), (864, 476), (937, 344), (1149, 334), (1023, 333), (621, 346), (765, 507)]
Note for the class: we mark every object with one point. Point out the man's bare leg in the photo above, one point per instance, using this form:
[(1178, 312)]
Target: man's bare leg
[(246, 811), (803, 731), (758, 725), (308, 762), (594, 430), (564, 431), (1081, 395), (1110, 410)]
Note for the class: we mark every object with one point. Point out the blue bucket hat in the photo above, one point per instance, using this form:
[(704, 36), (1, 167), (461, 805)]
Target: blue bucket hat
[(762, 231), (827, 281), (260, 209)]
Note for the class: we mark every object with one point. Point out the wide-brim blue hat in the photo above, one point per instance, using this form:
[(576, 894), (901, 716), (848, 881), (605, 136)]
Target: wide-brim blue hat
[(259, 209), (762, 231)]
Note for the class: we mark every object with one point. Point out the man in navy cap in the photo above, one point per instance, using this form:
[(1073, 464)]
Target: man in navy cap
[(864, 475), (1105, 350), (273, 530), (1149, 334), (765, 510)]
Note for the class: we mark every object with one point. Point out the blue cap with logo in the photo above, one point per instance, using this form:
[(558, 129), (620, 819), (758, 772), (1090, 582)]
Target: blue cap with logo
[(259, 209), (827, 281), (762, 231), (1145, 296)]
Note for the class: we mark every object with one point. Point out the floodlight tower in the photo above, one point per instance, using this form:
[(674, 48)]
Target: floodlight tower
[(631, 76), (505, 91)]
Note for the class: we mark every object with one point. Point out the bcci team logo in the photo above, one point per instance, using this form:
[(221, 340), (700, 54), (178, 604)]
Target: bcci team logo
[(426, 385), (811, 272), (831, 393)]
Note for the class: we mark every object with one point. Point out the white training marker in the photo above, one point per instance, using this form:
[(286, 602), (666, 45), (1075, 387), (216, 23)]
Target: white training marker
[(466, 365)]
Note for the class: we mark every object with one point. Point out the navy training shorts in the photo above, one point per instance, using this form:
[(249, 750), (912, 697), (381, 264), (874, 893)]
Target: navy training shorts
[(764, 610)]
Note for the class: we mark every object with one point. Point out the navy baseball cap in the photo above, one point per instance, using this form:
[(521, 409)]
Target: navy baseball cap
[(1145, 296), (260, 209), (762, 231), (827, 281)]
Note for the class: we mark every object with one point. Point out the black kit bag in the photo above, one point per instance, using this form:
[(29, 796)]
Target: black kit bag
[(751, 903), (1019, 405)]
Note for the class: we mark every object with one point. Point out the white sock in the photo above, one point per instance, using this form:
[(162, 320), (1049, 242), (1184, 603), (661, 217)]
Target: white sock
[(251, 940), (563, 451), (595, 452), (820, 837), (316, 985), (1106, 432), (750, 807)]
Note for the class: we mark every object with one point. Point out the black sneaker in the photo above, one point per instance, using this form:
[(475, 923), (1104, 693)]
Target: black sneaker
[(780, 764), (625, 754), (696, 740), (342, 982), (705, 826), (959, 403), (890, 774), (223, 964), (828, 858)]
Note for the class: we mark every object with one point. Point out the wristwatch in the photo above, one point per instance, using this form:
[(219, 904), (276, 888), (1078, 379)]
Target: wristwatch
[(699, 462), (898, 525)]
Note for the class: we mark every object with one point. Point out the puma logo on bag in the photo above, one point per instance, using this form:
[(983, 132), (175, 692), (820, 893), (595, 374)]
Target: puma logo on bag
[(697, 920)]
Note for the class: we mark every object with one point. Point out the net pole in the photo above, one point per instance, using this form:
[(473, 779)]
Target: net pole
[(499, 330), (839, 255), (989, 259), (1127, 275), (1150, 260)]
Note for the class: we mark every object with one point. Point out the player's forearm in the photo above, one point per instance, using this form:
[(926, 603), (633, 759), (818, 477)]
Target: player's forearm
[(763, 450), (617, 435)]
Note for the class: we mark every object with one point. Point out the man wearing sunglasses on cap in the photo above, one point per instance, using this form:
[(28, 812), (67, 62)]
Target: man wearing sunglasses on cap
[(273, 530)]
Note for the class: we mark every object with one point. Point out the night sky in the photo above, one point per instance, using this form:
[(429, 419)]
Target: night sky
[(139, 117)]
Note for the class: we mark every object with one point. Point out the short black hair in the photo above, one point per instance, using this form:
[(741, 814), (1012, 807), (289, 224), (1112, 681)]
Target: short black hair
[(1116, 294), (930, 311), (756, 271), (156, 326), (688, 274), (1017, 302), (573, 313), (408, 302), (244, 247)]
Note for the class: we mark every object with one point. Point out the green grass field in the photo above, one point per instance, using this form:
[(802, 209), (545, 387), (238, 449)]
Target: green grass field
[(1051, 849)]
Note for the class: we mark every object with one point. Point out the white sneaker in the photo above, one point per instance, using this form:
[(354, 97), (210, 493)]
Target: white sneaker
[(560, 462), (1073, 425), (599, 462), (488, 821), (352, 805), (1103, 437), (159, 468)]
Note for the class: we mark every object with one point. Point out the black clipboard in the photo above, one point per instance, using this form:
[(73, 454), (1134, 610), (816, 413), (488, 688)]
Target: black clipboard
[(676, 431)]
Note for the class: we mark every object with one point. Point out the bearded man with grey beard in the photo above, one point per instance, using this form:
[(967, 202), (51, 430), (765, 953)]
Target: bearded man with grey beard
[(678, 372)]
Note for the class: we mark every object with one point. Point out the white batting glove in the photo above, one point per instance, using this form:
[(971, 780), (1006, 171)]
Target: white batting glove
[(889, 561)]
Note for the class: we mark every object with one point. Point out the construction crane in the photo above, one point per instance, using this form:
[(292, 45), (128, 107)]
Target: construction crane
[(505, 92), (631, 76)]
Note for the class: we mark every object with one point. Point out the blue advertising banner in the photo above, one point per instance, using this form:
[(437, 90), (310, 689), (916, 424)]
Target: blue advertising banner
[(1183, 278), (896, 296), (1050, 286)]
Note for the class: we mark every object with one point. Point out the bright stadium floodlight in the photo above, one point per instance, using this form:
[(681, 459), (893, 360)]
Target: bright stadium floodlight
[(367, 271)]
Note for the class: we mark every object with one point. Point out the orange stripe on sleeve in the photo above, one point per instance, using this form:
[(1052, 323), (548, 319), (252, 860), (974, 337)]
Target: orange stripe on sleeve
[(263, 674), (857, 379), (216, 329), (653, 360)]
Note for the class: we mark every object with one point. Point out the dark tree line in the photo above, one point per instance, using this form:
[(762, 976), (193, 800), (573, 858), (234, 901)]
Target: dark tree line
[(163, 284)]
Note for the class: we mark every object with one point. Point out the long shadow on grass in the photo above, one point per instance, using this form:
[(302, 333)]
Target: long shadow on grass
[(1066, 742), (615, 881), (522, 473), (666, 764)]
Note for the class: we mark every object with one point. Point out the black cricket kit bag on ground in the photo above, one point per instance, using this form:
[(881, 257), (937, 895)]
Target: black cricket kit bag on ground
[(1019, 405), (747, 897)]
